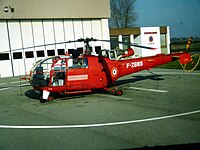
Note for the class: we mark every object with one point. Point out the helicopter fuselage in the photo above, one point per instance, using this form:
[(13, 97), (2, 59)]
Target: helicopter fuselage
[(65, 75)]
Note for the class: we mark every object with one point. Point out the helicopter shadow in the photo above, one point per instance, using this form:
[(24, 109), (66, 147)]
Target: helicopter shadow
[(152, 76), (137, 78), (32, 94)]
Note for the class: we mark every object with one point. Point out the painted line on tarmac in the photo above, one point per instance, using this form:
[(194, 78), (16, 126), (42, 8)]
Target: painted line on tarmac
[(13, 82), (3, 83), (8, 88), (144, 89), (167, 73), (100, 124), (17, 82), (112, 96), (3, 89), (26, 84)]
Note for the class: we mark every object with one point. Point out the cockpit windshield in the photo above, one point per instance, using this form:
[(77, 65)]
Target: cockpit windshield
[(52, 71), (44, 69), (78, 63), (44, 66)]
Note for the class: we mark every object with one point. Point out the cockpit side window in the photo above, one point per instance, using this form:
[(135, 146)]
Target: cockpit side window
[(103, 53), (59, 72), (78, 63), (111, 54)]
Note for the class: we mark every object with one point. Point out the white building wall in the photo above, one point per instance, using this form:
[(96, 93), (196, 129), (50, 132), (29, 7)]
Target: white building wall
[(5, 65), (138, 51), (150, 37), (105, 33), (27, 41), (15, 39), (168, 40), (59, 33)]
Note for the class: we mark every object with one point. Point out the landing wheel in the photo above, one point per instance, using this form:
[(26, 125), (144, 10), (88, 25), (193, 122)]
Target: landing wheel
[(118, 92), (50, 98), (42, 100)]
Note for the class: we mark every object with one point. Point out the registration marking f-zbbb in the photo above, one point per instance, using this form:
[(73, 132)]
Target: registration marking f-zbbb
[(134, 64)]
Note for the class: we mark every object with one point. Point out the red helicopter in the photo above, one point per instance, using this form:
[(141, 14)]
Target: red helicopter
[(86, 73)]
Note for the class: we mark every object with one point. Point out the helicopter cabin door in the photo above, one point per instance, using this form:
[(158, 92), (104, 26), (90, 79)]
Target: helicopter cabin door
[(77, 74), (58, 73)]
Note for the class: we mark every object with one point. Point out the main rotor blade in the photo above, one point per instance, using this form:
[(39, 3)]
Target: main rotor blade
[(86, 41), (45, 45), (129, 44)]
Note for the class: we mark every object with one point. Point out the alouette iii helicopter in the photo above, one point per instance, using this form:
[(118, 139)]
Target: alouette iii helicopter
[(81, 73)]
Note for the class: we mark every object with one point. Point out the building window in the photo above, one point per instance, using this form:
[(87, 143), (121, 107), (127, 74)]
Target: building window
[(4, 56), (126, 39), (71, 51), (17, 55), (80, 50), (29, 54), (163, 40), (114, 44), (51, 52), (40, 53), (61, 52)]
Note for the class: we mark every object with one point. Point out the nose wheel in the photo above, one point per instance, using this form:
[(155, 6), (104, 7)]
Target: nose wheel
[(49, 99), (46, 97)]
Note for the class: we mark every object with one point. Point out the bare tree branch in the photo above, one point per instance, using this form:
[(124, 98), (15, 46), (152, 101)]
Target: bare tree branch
[(122, 13)]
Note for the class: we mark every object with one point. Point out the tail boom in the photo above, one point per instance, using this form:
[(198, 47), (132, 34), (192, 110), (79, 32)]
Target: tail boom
[(138, 64)]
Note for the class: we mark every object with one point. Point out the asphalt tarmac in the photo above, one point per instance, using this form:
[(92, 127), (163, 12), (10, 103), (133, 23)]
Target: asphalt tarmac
[(160, 109)]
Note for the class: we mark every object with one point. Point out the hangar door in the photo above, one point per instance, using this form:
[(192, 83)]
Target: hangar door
[(23, 42)]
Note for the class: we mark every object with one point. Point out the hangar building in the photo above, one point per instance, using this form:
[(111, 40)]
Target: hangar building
[(29, 23), (29, 27)]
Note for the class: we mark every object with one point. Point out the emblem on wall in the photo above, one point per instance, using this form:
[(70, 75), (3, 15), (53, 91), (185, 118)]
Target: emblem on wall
[(150, 38)]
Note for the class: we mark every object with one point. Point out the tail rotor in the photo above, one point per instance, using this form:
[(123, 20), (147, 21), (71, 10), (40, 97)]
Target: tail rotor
[(192, 64), (189, 62)]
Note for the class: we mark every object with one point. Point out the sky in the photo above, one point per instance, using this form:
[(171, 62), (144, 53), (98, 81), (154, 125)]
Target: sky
[(182, 16)]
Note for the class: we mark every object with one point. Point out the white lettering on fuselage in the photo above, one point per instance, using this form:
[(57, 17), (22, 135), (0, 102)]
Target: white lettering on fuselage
[(134, 64)]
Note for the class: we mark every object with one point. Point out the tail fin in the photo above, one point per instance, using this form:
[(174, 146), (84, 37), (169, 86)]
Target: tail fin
[(188, 44)]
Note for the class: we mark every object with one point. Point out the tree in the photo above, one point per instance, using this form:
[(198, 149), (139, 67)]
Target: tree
[(122, 13)]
